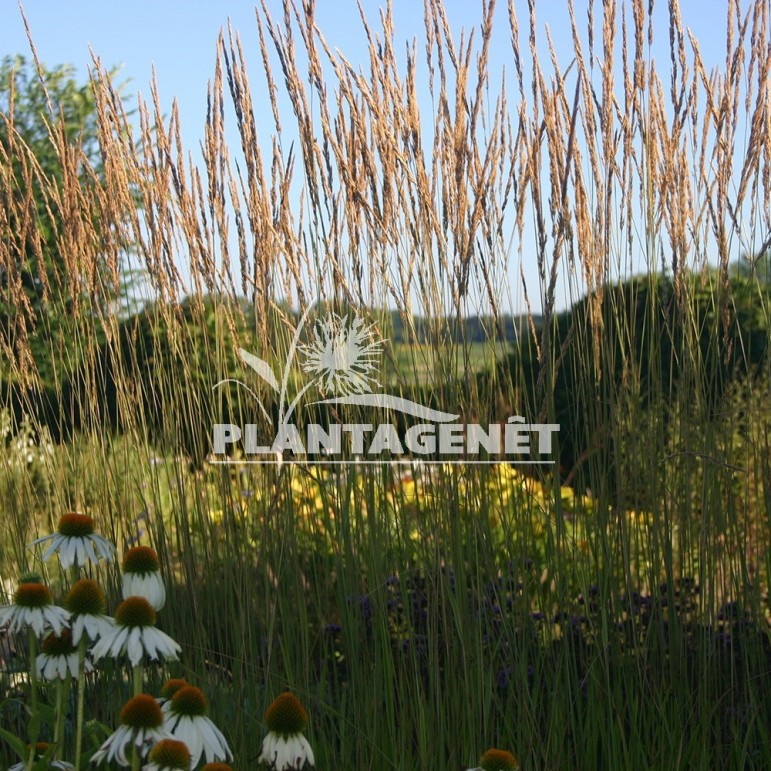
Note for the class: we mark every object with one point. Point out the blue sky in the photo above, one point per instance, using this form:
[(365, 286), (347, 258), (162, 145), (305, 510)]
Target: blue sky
[(179, 39)]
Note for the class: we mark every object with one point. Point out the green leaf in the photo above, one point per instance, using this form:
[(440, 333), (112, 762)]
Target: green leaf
[(19, 747), (33, 731), (97, 731), (47, 713)]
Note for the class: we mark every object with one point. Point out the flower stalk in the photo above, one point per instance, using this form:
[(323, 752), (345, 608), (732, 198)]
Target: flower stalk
[(61, 692), (138, 678), (34, 728), (81, 700)]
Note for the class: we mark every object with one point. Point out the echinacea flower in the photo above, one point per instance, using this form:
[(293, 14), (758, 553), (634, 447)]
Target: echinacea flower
[(142, 576), (33, 607), (141, 726), (87, 605), (217, 767), (285, 747), (186, 721), (41, 748), (59, 658), (168, 689), (76, 542), (496, 760), (135, 634), (169, 755)]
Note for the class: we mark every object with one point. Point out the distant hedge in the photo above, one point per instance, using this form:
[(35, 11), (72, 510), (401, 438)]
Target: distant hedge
[(125, 383), (652, 348)]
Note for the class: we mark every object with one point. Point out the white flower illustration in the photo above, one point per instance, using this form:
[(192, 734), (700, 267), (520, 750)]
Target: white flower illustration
[(343, 355)]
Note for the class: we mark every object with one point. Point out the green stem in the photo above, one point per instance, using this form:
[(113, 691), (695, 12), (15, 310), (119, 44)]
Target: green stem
[(138, 679), (34, 726), (136, 759), (30, 758), (81, 699), (82, 645), (61, 690)]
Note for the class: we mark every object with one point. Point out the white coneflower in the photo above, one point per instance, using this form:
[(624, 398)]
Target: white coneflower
[(76, 542), (285, 747), (217, 767), (496, 760), (59, 658), (87, 605), (142, 576), (186, 721), (59, 765), (33, 608), (41, 749), (135, 634), (169, 755), (168, 689), (141, 726)]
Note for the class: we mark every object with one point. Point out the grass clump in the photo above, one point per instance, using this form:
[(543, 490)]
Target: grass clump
[(609, 610)]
